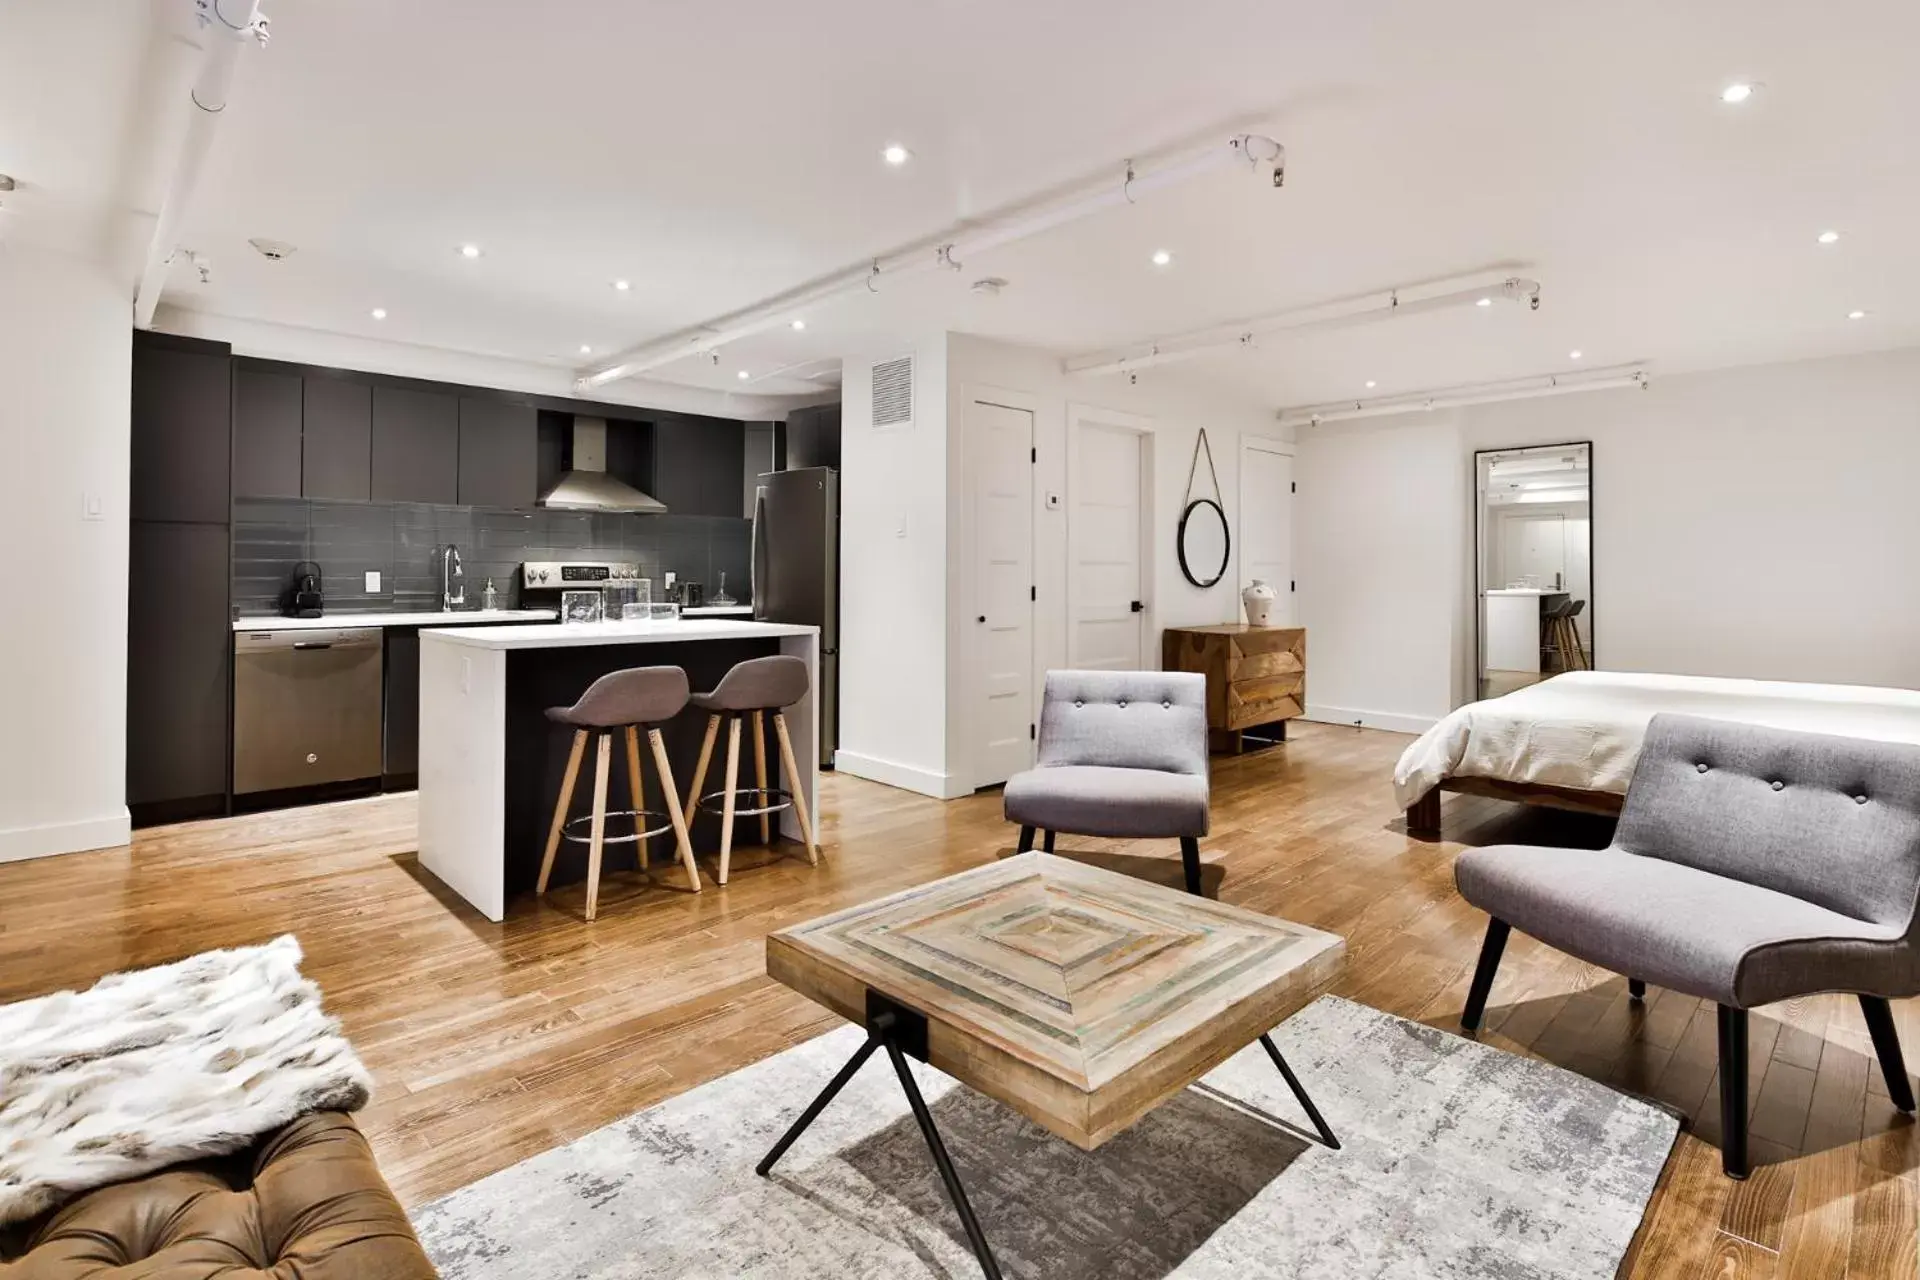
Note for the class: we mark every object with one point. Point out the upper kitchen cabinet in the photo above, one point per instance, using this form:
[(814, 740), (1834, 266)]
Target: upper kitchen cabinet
[(416, 446), (499, 457), (336, 446), (266, 433), (182, 419), (697, 465)]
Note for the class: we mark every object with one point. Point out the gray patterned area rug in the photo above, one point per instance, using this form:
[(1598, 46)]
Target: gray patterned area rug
[(1458, 1160)]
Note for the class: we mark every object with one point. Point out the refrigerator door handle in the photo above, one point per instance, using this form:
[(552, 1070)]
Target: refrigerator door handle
[(759, 550)]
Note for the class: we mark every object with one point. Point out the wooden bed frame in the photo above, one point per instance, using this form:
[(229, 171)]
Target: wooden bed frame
[(1423, 815)]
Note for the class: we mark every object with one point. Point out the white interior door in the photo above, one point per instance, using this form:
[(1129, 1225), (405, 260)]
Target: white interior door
[(1266, 522), (1000, 440), (1106, 585)]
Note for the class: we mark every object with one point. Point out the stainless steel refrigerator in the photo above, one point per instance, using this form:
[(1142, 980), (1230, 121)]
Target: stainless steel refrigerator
[(796, 572)]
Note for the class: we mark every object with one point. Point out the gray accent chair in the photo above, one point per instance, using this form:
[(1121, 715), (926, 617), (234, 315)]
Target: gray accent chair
[(1123, 754), (1750, 865)]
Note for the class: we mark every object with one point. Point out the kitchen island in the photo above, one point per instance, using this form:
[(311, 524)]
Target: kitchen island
[(491, 763)]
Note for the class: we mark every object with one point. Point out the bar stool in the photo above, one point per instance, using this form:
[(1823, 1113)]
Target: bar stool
[(640, 697), (753, 688)]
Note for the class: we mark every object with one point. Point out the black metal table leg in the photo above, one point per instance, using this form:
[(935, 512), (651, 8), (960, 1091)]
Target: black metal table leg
[(1306, 1103), (948, 1175), (819, 1104)]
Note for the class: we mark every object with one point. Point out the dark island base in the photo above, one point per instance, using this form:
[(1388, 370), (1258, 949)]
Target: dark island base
[(537, 756)]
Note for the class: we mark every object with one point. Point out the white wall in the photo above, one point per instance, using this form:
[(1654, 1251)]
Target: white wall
[(1750, 522), (65, 392), (903, 688)]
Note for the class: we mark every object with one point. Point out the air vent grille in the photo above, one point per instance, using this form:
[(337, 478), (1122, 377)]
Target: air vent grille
[(893, 392)]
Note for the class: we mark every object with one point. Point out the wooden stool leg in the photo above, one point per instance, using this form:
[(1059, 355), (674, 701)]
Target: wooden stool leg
[(1579, 645), (797, 785), (637, 789), (700, 770), (560, 807), (673, 808), (760, 772), (602, 759), (727, 803)]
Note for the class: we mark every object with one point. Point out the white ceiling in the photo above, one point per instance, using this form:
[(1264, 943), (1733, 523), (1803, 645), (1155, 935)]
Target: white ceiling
[(716, 154)]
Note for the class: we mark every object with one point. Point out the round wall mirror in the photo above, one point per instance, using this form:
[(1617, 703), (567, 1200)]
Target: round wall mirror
[(1203, 542)]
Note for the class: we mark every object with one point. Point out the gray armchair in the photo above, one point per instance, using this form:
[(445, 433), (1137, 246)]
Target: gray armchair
[(1121, 753), (1750, 865)]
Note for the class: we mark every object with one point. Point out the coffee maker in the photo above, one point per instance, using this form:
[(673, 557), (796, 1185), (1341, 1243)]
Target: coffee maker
[(301, 597)]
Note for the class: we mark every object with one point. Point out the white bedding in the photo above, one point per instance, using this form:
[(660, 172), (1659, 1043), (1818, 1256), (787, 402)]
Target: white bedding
[(1583, 729)]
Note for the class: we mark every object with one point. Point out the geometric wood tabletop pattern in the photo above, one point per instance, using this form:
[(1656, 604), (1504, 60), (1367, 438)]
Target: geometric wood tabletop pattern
[(1078, 996)]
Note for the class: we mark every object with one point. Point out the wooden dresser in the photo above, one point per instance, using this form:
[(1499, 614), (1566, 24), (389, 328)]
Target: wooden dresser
[(1255, 675)]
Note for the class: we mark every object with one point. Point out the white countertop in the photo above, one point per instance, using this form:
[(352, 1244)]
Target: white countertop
[(341, 621), (718, 611), (1527, 591), (571, 635)]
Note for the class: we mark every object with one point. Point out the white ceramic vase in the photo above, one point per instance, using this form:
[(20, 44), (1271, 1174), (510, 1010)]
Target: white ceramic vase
[(1258, 599)]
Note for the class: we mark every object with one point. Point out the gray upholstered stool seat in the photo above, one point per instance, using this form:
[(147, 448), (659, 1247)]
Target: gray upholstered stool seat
[(638, 696), (1681, 928), (1749, 865), (1099, 800), (621, 702), (750, 692)]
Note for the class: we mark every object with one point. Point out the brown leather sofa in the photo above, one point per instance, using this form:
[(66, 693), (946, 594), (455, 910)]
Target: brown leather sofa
[(307, 1203)]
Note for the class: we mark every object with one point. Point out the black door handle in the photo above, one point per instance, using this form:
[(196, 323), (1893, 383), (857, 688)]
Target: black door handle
[(1136, 607), (981, 618)]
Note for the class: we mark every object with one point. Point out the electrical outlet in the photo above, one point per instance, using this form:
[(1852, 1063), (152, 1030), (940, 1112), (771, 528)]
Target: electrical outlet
[(373, 582)]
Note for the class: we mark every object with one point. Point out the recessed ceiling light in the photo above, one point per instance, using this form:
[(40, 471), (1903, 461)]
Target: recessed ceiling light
[(796, 325), (1856, 315), (743, 375), (1162, 258), (1574, 354), (1829, 237), (585, 350), (469, 250), (1371, 384), (894, 153), (1484, 302), (623, 285), (379, 313), (1736, 93)]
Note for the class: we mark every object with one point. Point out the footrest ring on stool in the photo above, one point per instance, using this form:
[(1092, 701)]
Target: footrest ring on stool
[(768, 799), (632, 816)]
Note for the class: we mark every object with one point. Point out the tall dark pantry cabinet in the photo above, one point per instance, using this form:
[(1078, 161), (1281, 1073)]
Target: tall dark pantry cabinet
[(179, 634)]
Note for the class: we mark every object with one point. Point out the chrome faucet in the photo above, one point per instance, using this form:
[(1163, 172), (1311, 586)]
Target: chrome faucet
[(452, 597)]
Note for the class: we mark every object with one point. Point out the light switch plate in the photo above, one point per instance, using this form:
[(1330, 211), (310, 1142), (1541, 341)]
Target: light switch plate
[(92, 506), (373, 582), (1053, 500)]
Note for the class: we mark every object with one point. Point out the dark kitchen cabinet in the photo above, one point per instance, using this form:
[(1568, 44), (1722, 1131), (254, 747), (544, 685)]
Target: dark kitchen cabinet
[(416, 446), (499, 454), (181, 426), (697, 465), (401, 744), (336, 444), (179, 655), (266, 433)]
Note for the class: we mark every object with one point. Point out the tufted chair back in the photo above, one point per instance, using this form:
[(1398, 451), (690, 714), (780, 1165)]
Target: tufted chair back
[(1829, 820), (1125, 720)]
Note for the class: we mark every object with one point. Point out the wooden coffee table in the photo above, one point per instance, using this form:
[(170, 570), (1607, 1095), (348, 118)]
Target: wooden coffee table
[(1079, 997)]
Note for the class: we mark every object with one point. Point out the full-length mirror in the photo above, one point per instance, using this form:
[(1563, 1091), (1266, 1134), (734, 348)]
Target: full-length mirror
[(1533, 528)]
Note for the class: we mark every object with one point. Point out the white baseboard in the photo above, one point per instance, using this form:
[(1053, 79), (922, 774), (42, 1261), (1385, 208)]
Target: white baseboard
[(941, 786), (1370, 719), (20, 843)]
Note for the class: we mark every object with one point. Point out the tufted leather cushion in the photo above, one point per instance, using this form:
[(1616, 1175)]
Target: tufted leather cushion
[(308, 1203)]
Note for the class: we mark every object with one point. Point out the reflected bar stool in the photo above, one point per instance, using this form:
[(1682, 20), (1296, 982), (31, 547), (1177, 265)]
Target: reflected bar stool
[(627, 701), (753, 688)]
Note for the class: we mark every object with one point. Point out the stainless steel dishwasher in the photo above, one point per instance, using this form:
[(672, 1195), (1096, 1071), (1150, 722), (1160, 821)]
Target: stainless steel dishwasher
[(306, 707)]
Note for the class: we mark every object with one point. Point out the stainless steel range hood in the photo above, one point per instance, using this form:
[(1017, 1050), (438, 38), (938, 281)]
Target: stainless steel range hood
[(588, 487)]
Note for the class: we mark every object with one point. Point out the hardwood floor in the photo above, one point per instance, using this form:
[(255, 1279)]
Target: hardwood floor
[(492, 1042)]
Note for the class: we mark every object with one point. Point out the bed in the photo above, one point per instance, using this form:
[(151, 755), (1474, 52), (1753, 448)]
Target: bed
[(1570, 742)]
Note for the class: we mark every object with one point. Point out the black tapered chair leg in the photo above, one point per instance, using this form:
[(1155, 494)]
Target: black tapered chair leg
[(1026, 839), (1733, 1092), (1046, 842), (1886, 1043), (1636, 989), (1190, 860), (1490, 951)]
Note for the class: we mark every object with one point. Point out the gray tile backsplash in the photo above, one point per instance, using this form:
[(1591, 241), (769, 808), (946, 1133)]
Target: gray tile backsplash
[(400, 539)]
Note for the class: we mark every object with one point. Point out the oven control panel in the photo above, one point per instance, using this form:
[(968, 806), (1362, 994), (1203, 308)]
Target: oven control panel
[(552, 575)]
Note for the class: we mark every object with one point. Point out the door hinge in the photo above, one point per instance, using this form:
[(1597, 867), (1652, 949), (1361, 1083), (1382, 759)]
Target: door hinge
[(1292, 585), (1032, 733), (1033, 593), (1293, 486), (1033, 454)]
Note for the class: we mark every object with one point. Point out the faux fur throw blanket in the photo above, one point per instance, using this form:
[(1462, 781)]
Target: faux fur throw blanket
[(146, 1069)]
